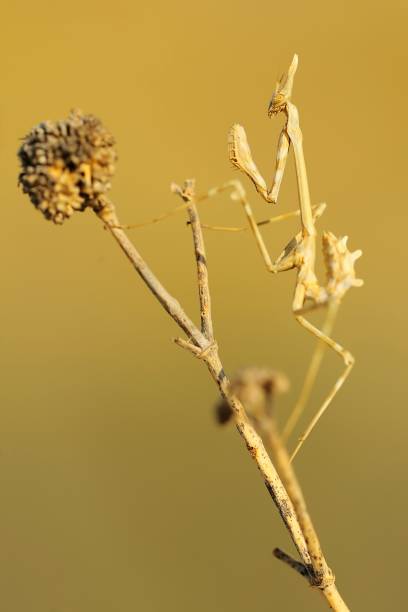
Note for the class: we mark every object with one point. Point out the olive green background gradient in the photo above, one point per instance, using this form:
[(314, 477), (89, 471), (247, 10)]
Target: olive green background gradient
[(118, 491)]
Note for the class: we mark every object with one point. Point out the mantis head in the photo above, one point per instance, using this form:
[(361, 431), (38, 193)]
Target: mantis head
[(282, 94)]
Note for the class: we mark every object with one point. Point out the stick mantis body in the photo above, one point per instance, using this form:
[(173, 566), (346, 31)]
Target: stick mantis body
[(300, 253)]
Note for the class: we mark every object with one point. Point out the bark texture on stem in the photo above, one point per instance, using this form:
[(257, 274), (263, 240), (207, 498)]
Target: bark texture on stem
[(201, 343), (258, 453), (323, 575), (202, 274), (169, 303)]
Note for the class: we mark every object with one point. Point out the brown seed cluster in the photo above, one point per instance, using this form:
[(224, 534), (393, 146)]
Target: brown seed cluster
[(67, 165)]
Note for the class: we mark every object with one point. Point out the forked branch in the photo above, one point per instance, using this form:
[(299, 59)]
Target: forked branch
[(67, 166), (286, 494)]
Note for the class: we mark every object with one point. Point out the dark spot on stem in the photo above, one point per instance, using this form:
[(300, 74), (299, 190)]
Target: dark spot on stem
[(253, 451), (201, 259), (221, 375), (223, 412)]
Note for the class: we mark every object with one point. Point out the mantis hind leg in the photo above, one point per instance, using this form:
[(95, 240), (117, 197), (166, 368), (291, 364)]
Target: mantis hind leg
[(348, 362), (311, 374)]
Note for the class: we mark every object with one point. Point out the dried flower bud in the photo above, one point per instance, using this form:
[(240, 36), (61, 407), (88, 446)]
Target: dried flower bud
[(67, 165), (256, 389)]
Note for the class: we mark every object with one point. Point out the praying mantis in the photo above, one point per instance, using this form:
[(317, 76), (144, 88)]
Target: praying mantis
[(300, 252)]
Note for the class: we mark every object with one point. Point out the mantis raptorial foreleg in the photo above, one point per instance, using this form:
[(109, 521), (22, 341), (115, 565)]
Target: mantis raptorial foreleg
[(281, 157), (241, 156)]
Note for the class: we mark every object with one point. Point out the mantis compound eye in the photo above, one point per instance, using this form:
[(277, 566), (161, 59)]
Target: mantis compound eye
[(277, 104), (283, 91)]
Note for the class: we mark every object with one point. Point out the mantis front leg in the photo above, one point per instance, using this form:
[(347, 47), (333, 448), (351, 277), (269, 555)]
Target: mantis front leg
[(241, 156)]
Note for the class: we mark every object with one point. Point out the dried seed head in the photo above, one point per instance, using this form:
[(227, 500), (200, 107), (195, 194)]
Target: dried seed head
[(256, 388), (67, 165)]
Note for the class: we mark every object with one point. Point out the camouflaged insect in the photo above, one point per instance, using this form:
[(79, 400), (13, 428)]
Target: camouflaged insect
[(67, 165), (300, 252)]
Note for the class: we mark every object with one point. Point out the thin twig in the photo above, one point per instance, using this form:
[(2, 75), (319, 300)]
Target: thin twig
[(169, 303), (69, 184), (252, 439), (188, 195), (285, 481), (322, 573), (296, 565), (264, 421), (258, 452), (294, 519), (202, 272), (330, 593)]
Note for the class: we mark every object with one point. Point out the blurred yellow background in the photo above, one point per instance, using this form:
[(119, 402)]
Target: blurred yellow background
[(118, 491)]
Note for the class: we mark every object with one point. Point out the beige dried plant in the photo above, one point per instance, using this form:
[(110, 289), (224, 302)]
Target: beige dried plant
[(300, 252), (66, 166)]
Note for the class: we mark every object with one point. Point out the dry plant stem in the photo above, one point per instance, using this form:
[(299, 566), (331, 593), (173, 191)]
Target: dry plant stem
[(202, 273), (311, 374), (203, 346), (321, 575), (291, 484), (289, 479), (257, 451), (296, 565), (330, 593), (211, 357), (169, 303), (205, 349)]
